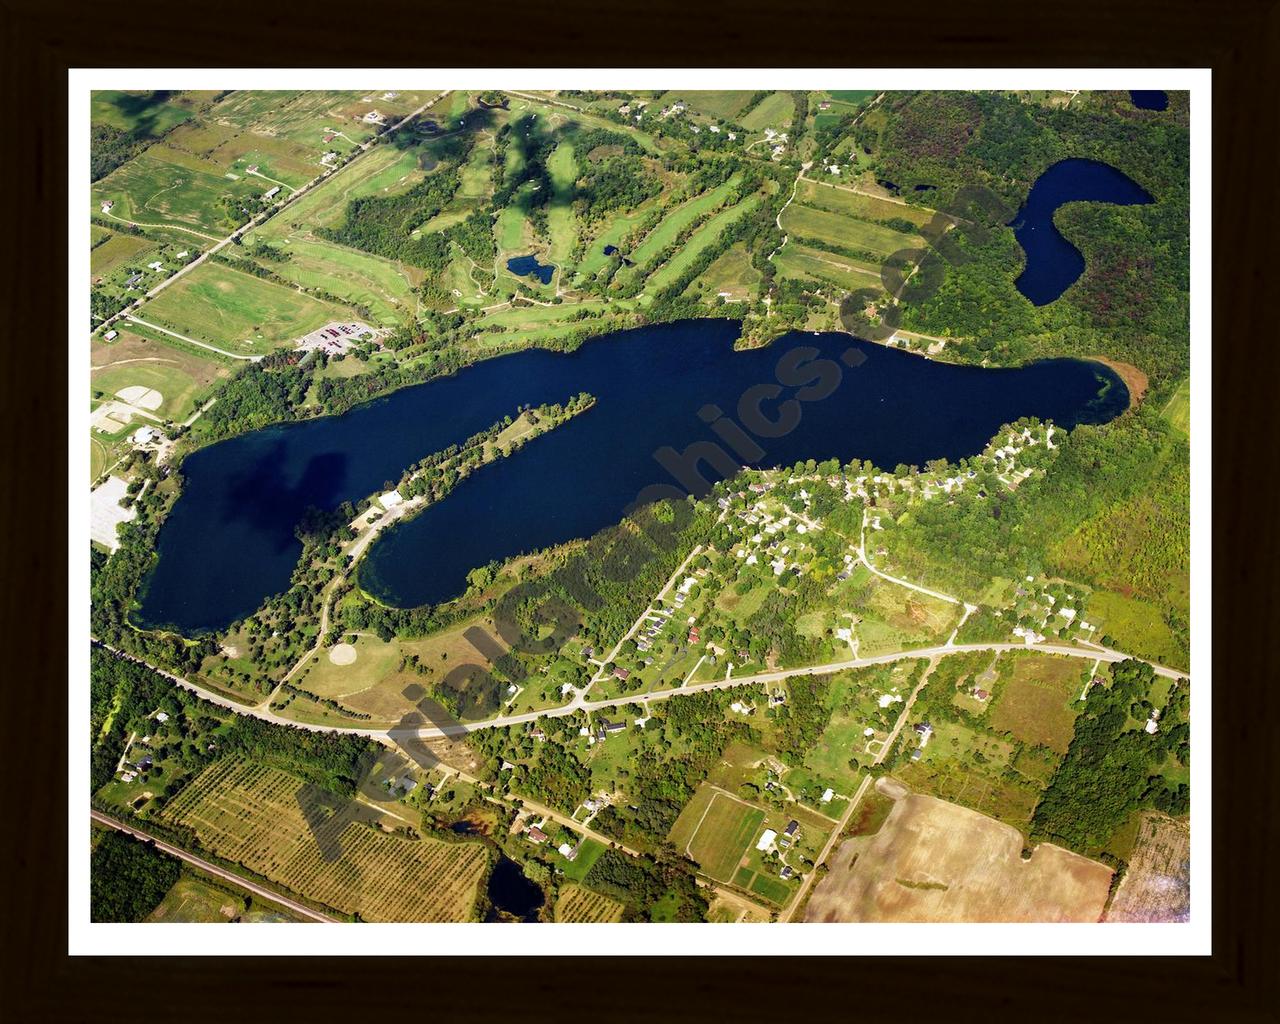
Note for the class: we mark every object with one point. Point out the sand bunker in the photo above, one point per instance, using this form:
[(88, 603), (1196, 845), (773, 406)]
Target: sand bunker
[(342, 654)]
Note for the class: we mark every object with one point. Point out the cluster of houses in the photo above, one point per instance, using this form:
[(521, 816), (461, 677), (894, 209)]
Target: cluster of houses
[(770, 532), (925, 731)]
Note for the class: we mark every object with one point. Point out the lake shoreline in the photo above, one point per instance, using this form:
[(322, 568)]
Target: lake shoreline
[(1134, 379)]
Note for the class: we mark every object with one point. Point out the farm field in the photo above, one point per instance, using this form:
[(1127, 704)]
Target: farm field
[(238, 312), (721, 104), (258, 816), (805, 263), (1037, 698), (116, 251), (932, 861), (838, 199), (580, 905), (716, 830), (774, 111), (150, 112), (731, 275), (1157, 885), (167, 186), (847, 232)]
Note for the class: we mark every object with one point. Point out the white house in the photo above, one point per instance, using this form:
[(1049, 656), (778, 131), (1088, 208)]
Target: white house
[(766, 840)]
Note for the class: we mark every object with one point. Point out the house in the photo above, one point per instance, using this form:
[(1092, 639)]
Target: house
[(917, 753), (390, 500), (538, 733), (621, 673), (162, 717), (253, 168), (271, 192), (106, 206), (979, 693), (566, 851), (612, 727), (827, 794), (792, 830), (536, 835), (766, 840), (824, 105), (132, 281), (786, 871), (111, 335)]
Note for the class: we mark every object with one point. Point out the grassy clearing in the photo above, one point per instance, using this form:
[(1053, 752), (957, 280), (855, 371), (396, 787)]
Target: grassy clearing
[(116, 251), (723, 104), (774, 111), (1178, 409), (139, 357), (131, 110), (380, 285), (716, 830), (1037, 700), (258, 816), (802, 263), (192, 901), (838, 229), (705, 236), (731, 273), (1136, 626), (855, 204), (238, 312)]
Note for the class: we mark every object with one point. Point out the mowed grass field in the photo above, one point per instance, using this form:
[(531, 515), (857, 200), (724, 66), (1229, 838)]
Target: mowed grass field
[(808, 264), (716, 830), (774, 111), (835, 199), (849, 232), (577, 904), (708, 234), (1037, 698), (722, 104), (678, 219), (237, 311), (252, 814), (192, 901)]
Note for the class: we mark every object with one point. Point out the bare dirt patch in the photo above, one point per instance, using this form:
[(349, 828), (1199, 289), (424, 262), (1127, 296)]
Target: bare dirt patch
[(1157, 886), (342, 654), (933, 861)]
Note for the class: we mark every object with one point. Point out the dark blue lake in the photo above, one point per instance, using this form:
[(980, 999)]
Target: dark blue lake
[(1149, 99), (1053, 263), (511, 891), (229, 541), (528, 266)]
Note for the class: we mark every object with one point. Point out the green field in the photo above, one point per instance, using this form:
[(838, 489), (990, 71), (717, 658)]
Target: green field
[(716, 830), (168, 186), (731, 272), (563, 170), (153, 113), (1136, 626), (854, 204), (708, 234), (141, 358), (1178, 409), (848, 232), (774, 111), (116, 251), (193, 901), (677, 220), (238, 312), (722, 104), (803, 263), (360, 278)]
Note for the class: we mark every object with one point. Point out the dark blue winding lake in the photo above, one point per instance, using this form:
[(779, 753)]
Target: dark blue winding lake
[(229, 542), (1053, 263)]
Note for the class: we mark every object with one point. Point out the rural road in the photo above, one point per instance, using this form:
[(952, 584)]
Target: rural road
[(212, 869), (580, 703)]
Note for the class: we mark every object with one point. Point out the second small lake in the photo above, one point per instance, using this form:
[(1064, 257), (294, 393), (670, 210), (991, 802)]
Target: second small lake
[(1053, 263)]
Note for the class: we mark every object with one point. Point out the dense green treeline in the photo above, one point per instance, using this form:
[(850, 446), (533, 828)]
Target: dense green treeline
[(128, 878)]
